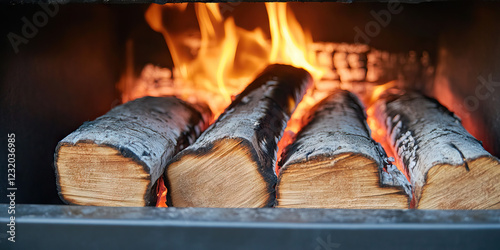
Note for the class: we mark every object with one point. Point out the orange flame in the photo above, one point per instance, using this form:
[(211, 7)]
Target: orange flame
[(161, 192), (228, 57), (379, 133), (289, 42), (289, 45), (379, 90), (212, 70)]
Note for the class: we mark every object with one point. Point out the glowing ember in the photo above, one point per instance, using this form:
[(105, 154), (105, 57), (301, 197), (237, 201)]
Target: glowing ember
[(161, 192), (379, 133), (216, 62), (228, 57), (290, 46)]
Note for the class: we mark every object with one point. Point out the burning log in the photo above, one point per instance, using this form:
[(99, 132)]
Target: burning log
[(334, 163), (232, 163), (448, 168), (116, 159)]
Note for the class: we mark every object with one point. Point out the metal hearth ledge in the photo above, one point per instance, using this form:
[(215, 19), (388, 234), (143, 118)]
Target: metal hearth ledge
[(83, 227)]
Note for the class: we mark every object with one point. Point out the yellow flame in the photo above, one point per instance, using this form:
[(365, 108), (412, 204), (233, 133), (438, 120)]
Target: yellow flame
[(379, 90), (289, 45), (289, 42), (223, 45), (229, 57), (379, 133)]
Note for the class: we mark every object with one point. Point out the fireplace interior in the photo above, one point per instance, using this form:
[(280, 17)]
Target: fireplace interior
[(65, 64)]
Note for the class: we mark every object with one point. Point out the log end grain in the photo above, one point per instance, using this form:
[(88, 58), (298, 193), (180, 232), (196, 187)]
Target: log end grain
[(224, 175), (94, 181), (232, 162), (448, 167), (117, 159), (472, 185), (347, 180)]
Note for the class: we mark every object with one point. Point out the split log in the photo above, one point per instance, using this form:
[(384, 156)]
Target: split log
[(232, 163), (116, 159), (448, 167), (334, 163)]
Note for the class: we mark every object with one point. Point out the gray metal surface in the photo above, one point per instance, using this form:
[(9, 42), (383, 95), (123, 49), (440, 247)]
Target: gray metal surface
[(80, 227)]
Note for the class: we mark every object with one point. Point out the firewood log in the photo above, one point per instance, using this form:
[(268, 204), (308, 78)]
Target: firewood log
[(232, 163), (448, 167), (334, 163), (116, 159)]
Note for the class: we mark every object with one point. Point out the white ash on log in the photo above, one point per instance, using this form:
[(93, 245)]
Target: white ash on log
[(116, 159), (334, 163), (448, 168), (232, 163)]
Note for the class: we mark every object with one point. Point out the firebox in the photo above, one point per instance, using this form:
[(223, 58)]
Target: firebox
[(395, 80)]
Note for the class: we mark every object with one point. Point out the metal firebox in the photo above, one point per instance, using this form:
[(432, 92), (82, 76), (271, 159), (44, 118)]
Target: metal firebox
[(81, 227), (67, 73)]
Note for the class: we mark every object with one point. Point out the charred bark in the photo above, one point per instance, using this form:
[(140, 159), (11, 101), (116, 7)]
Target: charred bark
[(232, 163), (448, 168), (334, 162), (116, 159)]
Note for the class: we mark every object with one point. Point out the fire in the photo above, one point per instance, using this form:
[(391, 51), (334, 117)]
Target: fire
[(161, 192), (289, 45), (219, 59), (289, 42), (379, 133), (379, 90), (227, 58), (211, 69)]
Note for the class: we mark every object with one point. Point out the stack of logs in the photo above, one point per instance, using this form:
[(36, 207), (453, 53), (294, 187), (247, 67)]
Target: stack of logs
[(118, 159)]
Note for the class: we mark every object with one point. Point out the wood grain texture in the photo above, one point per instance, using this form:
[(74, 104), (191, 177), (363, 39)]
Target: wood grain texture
[(232, 163), (334, 163), (448, 168), (116, 159)]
